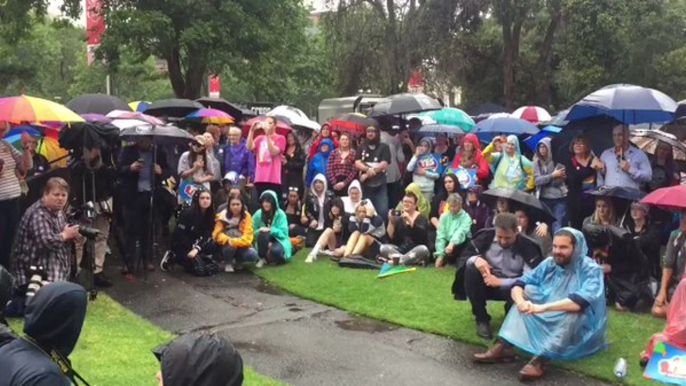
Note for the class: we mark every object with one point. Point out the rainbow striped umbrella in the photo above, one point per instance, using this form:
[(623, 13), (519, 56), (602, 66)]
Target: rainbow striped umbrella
[(139, 106), (25, 108), (213, 116)]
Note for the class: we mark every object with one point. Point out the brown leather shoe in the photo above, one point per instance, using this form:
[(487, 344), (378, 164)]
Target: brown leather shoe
[(500, 352), (533, 370)]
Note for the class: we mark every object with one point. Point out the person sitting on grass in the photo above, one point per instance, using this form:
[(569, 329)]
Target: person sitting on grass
[(234, 234), (439, 204), (192, 235), (538, 231), (423, 205), (199, 359), (335, 235), (408, 234), (366, 228), (476, 209), (490, 265), (317, 205), (560, 309), (271, 231), (355, 198), (294, 210), (454, 229), (502, 205), (672, 268)]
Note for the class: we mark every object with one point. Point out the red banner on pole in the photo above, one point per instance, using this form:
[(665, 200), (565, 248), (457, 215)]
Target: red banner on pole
[(95, 26), (215, 85)]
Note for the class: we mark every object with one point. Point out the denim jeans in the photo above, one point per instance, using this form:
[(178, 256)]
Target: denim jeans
[(275, 254), (559, 208), (379, 198), (233, 255)]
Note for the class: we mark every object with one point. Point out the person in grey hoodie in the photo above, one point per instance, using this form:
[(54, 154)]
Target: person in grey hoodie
[(550, 183)]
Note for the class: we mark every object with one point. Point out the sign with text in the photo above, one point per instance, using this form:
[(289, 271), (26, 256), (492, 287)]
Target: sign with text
[(667, 365)]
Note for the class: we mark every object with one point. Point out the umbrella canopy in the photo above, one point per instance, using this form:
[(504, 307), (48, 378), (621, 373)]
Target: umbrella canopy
[(96, 118), (296, 116), (626, 103), (488, 108), (647, 140), (97, 104), (125, 119), (452, 117), (88, 135), (15, 132), (506, 126), (437, 128), (498, 115), (680, 112), (560, 119), (548, 131), (212, 116), (163, 135), (281, 127), (534, 208), (139, 106), (25, 108), (404, 104), (353, 123), (50, 148), (618, 192), (533, 114), (176, 108), (670, 198), (232, 109)]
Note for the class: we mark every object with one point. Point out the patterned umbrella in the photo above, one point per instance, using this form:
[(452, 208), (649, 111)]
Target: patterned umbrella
[(211, 116), (533, 114), (139, 106), (25, 108), (648, 140), (452, 117)]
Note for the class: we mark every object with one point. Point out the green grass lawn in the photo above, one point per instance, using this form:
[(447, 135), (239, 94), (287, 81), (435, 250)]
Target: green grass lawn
[(114, 347), (422, 300)]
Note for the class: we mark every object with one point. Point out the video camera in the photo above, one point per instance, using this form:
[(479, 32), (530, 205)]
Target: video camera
[(87, 211)]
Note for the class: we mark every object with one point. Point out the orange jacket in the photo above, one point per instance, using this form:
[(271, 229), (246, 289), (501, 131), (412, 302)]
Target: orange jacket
[(245, 226)]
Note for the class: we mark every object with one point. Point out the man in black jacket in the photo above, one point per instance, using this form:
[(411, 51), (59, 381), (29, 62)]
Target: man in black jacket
[(53, 322), (489, 266), (140, 176)]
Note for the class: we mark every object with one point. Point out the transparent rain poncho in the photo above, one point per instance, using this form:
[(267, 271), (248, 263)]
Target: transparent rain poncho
[(561, 335)]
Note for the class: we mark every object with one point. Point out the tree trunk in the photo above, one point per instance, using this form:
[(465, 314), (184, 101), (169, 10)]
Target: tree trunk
[(546, 56), (175, 74), (392, 49), (512, 32)]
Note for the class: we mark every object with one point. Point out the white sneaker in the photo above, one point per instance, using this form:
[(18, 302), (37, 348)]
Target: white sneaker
[(228, 268), (327, 252), (260, 263), (311, 258)]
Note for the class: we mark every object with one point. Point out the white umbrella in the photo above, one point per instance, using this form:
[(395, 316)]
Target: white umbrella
[(297, 117)]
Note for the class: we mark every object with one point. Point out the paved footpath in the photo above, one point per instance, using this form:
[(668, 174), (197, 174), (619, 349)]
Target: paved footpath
[(304, 343)]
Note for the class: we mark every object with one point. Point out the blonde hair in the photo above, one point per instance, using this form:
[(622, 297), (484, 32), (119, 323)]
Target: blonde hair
[(55, 183)]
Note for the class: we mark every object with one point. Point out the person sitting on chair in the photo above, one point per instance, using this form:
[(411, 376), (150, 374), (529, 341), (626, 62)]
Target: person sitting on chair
[(491, 264), (560, 309)]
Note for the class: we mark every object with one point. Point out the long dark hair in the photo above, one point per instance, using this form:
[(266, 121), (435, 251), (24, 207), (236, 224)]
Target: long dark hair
[(337, 203), (208, 216), (192, 156), (267, 217), (244, 208)]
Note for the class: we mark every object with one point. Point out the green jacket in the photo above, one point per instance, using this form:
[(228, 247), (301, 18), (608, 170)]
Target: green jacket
[(279, 226), (452, 229)]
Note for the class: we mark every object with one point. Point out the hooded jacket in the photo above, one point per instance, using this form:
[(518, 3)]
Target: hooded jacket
[(548, 187), (53, 319), (514, 172), (348, 202), (319, 162), (478, 162), (428, 161), (317, 206), (452, 229), (199, 359), (278, 228), (423, 205), (237, 158)]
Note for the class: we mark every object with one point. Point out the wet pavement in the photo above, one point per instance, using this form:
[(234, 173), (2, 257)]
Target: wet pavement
[(300, 342)]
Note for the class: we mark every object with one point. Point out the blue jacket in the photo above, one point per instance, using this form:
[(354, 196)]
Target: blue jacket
[(319, 162)]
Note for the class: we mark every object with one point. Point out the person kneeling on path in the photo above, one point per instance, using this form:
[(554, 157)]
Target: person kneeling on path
[(454, 228), (560, 311), (271, 231), (233, 232), (491, 264), (52, 325), (407, 233), (199, 359)]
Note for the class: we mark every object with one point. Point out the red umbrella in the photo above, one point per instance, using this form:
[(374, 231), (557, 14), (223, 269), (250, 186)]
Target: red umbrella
[(281, 127), (353, 123), (671, 198)]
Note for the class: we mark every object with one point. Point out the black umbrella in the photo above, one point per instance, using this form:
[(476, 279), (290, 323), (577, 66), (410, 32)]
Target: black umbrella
[(597, 129), (236, 111), (404, 104), (177, 108), (487, 109), (97, 104), (87, 134), (618, 192), (534, 208), (162, 135)]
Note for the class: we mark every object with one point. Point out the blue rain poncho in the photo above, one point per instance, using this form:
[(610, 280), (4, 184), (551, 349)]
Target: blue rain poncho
[(561, 335)]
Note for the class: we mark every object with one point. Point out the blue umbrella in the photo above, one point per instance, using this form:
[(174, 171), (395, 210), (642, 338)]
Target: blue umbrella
[(548, 131), (625, 103), (17, 130), (437, 128), (505, 126)]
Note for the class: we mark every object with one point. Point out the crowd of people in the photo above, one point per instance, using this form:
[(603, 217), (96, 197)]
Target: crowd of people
[(384, 196)]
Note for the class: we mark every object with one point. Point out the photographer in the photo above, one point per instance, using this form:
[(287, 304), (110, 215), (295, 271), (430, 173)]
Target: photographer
[(44, 237), (408, 234), (93, 183), (54, 318)]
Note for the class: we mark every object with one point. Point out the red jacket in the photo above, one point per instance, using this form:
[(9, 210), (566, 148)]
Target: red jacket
[(480, 164), (314, 148)]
